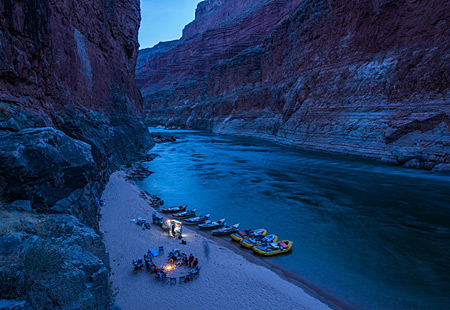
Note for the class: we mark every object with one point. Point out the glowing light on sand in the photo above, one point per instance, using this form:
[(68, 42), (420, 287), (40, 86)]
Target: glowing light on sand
[(168, 267)]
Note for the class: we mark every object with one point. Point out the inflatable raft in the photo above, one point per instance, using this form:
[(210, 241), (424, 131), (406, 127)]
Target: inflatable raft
[(245, 234), (251, 242), (274, 248)]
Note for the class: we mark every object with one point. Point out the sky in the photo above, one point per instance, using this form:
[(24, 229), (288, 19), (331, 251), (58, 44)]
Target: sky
[(164, 20)]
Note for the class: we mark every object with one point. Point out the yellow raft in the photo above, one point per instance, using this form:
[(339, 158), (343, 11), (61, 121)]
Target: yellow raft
[(274, 248), (248, 234), (251, 242)]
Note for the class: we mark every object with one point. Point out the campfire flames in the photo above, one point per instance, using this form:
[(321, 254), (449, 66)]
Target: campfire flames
[(168, 267)]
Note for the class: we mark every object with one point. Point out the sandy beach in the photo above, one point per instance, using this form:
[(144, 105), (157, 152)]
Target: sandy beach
[(227, 280)]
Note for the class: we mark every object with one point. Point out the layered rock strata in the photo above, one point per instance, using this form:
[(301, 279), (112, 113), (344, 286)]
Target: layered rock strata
[(366, 78), (70, 113)]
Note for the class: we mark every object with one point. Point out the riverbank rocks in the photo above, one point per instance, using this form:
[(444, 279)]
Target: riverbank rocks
[(138, 172)]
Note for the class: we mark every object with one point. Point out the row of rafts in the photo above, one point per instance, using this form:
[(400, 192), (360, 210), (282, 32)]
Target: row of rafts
[(256, 239)]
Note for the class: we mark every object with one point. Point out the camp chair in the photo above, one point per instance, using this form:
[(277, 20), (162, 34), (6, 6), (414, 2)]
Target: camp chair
[(161, 276), (182, 279), (194, 274), (161, 250), (173, 281)]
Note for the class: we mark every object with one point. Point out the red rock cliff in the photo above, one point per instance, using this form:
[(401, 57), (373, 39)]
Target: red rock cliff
[(66, 74), (368, 78), (222, 30), (71, 65)]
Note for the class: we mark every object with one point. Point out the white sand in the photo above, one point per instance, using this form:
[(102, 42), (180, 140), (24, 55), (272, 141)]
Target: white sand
[(227, 280)]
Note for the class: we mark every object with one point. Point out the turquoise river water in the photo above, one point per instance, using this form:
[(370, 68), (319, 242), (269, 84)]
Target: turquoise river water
[(369, 235)]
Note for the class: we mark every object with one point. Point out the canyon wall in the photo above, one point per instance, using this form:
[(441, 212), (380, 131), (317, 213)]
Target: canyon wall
[(367, 78), (70, 113)]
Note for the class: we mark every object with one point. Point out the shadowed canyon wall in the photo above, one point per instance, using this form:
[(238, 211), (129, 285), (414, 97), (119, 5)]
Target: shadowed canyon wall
[(70, 113), (367, 78)]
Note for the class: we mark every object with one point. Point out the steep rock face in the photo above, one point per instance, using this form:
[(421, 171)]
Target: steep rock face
[(368, 78), (52, 170), (192, 57), (70, 112), (70, 65)]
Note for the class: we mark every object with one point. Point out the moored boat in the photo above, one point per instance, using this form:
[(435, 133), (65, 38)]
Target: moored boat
[(245, 234), (185, 214), (197, 220), (176, 209), (226, 230), (274, 248), (211, 224), (251, 242)]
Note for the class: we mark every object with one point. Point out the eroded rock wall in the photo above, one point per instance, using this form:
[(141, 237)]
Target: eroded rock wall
[(70, 113), (367, 78), (71, 65), (189, 60)]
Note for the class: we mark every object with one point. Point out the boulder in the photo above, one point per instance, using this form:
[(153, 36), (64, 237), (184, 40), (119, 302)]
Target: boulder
[(45, 166)]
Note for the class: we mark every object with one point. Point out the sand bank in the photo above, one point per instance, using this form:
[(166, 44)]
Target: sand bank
[(227, 279)]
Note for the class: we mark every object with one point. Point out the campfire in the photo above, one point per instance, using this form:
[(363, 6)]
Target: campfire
[(169, 267)]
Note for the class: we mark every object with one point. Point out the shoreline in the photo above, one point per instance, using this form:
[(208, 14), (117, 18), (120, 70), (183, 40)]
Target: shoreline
[(441, 168), (293, 278), (305, 294)]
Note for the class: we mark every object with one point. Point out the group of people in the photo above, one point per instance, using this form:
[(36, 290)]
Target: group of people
[(147, 262), (182, 259), (174, 256)]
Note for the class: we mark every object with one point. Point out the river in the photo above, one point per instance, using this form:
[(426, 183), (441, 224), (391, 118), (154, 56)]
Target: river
[(371, 235)]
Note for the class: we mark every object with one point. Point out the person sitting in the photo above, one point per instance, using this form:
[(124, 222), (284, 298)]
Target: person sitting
[(177, 254), (153, 268), (161, 275), (148, 265), (172, 257), (185, 259)]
